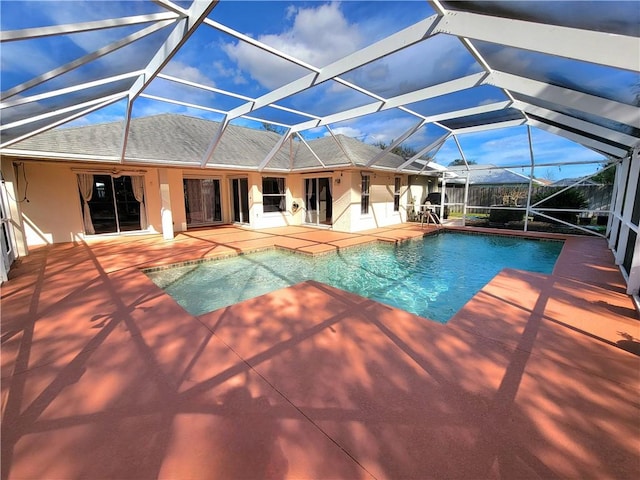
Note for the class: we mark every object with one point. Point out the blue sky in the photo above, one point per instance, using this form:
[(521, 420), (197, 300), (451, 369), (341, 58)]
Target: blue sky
[(318, 33)]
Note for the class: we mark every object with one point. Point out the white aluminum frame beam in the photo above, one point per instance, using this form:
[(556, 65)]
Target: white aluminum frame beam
[(577, 124), (490, 126), (612, 110), (395, 143), (208, 155), (92, 108), (63, 91), (406, 37), (178, 36), (274, 150), (184, 104), (335, 139), (310, 149), (39, 32), (262, 46), (101, 52), (395, 102), (439, 141), (582, 140), (61, 111), (201, 86), (603, 48)]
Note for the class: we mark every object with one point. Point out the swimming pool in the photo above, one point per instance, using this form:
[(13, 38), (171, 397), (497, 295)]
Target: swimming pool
[(433, 277)]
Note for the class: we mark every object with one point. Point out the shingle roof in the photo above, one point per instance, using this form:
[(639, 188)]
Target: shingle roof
[(181, 139), (487, 175)]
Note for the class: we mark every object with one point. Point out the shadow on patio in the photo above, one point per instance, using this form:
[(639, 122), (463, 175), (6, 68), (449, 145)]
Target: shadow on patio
[(105, 376)]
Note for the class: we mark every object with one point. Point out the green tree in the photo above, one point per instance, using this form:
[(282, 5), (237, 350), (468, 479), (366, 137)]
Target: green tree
[(273, 128), (459, 161), (571, 199), (605, 177), (400, 150)]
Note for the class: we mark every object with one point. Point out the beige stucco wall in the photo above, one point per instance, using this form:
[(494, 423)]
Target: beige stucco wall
[(51, 211), (381, 212), (294, 189), (54, 212), (419, 188)]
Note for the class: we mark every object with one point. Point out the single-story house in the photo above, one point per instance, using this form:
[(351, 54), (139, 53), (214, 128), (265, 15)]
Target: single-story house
[(180, 173)]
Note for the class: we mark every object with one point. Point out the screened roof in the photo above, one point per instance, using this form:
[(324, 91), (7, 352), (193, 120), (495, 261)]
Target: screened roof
[(296, 85)]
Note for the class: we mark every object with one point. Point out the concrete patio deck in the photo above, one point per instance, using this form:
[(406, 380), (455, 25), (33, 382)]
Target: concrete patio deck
[(105, 376)]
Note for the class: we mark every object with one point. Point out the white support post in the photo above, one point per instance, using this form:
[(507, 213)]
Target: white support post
[(125, 129), (633, 286), (466, 183), (165, 199), (526, 215), (627, 211), (442, 194), (614, 195), (466, 200), (622, 173)]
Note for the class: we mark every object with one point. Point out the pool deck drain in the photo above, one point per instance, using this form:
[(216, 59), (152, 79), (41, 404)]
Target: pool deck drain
[(105, 376)]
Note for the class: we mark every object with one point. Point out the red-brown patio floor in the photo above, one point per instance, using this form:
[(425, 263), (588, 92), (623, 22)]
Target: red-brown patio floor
[(105, 376)]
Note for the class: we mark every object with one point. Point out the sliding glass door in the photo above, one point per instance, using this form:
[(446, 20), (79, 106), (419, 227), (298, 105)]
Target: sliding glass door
[(319, 201), (6, 238), (202, 201), (112, 204), (240, 199)]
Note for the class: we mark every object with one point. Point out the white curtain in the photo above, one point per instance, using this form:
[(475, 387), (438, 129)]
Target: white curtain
[(85, 184), (137, 184), (281, 191)]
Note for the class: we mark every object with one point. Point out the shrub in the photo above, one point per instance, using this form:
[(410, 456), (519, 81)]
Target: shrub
[(505, 216), (572, 198)]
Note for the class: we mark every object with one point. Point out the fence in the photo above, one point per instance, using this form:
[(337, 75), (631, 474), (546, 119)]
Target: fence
[(597, 196)]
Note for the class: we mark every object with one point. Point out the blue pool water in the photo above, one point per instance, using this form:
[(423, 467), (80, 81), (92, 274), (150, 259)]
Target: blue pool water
[(433, 277)]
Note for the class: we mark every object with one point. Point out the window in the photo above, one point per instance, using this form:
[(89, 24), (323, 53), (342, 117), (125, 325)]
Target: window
[(396, 195), (273, 194), (364, 200)]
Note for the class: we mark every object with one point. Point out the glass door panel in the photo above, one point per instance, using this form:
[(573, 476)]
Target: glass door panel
[(240, 193), (318, 200), (113, 207), (202, 201), (102, 206), (311, 200), (127, 207)]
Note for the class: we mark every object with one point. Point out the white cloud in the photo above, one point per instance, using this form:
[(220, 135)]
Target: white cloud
[(186, 72), (318, 36), (347, 132), (432, 61), (234, 74), (62, 13), (26, 59)]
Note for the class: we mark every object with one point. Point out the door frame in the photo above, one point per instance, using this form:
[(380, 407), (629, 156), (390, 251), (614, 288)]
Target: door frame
[(220, 199), (232, 201), (329, 207)]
